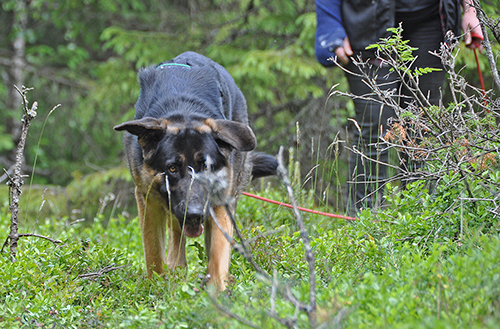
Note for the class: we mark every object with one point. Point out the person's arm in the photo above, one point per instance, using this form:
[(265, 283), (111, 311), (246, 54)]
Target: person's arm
[(470, 26), (330, 33)]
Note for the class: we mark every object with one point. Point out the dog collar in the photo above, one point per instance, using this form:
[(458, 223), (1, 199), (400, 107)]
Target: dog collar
[(161, 66)]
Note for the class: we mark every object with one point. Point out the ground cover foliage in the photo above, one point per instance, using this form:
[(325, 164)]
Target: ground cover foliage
[(380, 271)]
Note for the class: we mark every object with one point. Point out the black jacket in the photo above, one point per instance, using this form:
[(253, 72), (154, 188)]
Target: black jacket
[(365, 22)]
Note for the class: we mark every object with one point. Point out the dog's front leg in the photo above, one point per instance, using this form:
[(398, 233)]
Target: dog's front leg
[(176, 252), (218, 248), (153, 220)]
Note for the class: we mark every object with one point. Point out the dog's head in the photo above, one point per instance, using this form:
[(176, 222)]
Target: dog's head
[(178, 149)]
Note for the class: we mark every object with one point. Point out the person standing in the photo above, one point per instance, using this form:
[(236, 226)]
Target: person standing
[(346, 27)]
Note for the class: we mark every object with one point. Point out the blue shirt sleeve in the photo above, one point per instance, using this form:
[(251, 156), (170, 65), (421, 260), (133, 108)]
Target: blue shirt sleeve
[(330, 31)]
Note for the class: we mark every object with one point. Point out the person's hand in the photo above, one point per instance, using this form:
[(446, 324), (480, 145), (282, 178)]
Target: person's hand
[(470, 25), (343, 53)]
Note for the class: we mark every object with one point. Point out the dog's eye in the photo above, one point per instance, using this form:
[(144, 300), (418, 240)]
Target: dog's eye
[(172, 169)]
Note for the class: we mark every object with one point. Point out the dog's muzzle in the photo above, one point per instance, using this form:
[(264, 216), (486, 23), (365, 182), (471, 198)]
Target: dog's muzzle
[(192, 220)]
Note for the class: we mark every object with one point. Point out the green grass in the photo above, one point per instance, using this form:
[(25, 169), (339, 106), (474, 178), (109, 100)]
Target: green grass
[(366, 272)]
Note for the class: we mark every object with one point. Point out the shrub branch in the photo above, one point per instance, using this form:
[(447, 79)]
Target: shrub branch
[(454, 145)]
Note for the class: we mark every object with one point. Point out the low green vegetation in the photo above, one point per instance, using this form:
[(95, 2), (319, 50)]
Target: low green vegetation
[(409, 267)]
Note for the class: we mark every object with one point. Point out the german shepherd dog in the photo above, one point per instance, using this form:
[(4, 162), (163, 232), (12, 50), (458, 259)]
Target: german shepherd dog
[(190, 118)]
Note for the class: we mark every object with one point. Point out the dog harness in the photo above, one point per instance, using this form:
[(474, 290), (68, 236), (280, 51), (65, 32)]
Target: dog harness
[(161, 66)]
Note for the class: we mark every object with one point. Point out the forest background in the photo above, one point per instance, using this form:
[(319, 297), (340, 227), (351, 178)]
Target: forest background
[(85, 55)]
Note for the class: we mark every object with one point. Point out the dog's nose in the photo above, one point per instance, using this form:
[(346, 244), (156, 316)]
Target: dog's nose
[(191, 211), (194, 214), (194, 217)]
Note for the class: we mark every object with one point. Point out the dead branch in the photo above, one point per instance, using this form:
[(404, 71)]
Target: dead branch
[(311, 309), (41, 237), (100, 272), (7, 173), (16, 180)]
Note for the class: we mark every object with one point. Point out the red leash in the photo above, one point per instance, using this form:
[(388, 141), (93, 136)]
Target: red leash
[(300, 208), (476, 41), (480, 74)]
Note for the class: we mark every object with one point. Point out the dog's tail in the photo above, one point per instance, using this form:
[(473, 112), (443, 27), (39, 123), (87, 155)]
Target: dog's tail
[(263, 165)]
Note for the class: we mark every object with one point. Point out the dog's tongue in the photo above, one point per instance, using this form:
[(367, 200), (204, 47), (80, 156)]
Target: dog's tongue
[(193, 231)]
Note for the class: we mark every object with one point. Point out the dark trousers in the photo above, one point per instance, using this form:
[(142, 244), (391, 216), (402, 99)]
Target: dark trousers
[(368, 177)]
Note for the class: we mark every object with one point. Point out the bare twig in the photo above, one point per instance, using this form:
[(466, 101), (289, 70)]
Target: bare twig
[(284, 290), (100, 272), (54, 241), (240, 248), (311, 310), (16, 180), (6, 174)]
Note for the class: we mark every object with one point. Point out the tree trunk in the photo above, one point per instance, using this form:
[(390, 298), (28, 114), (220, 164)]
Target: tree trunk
[(15, 74)]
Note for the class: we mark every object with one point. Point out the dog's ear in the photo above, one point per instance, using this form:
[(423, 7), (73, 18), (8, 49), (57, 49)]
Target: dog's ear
[(235, 134), (143, 126), (148, 130)]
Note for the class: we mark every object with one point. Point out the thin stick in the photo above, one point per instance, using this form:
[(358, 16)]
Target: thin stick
[(16, 182), (100, 272), (212, 186), (311, 312), (42, 237)]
